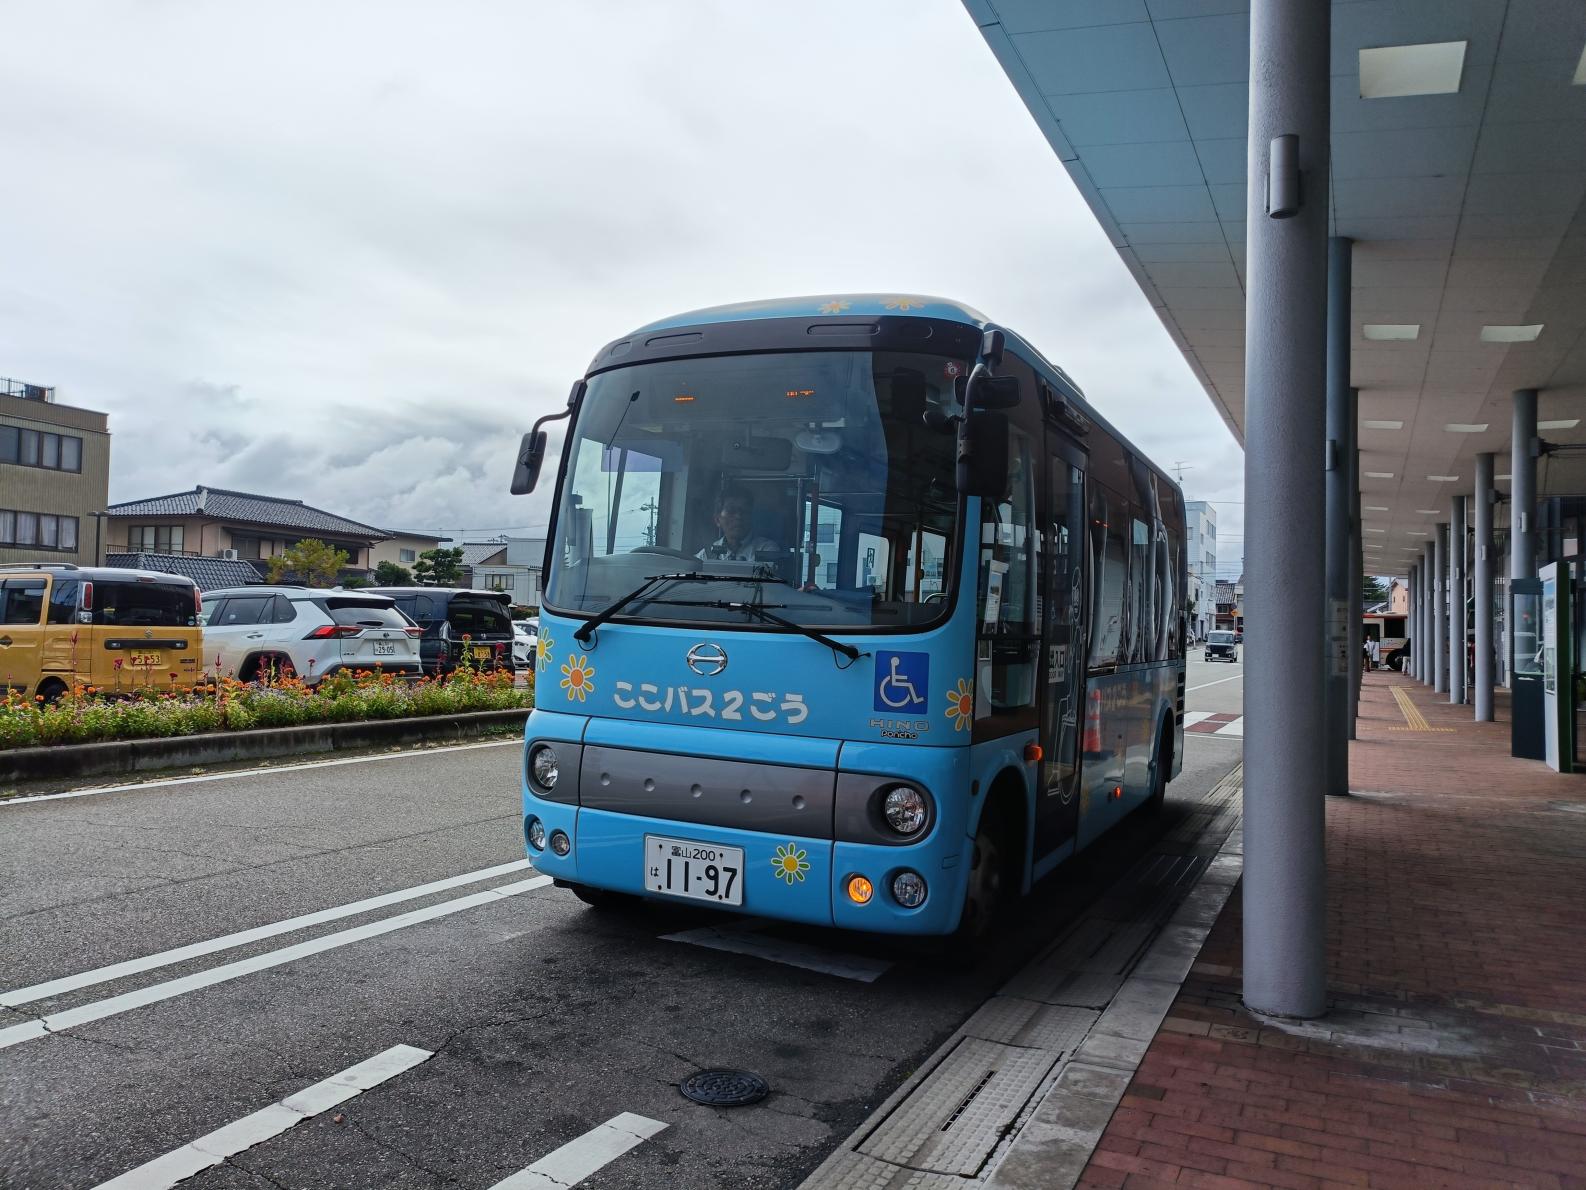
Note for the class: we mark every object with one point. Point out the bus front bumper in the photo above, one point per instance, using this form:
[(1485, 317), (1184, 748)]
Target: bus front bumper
[(784, 876)]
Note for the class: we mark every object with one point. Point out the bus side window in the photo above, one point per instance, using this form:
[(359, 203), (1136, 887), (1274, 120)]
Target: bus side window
[(1109, 515)]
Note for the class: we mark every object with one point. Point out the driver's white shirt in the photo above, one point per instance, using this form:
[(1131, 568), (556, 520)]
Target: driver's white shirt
[(746, 551)]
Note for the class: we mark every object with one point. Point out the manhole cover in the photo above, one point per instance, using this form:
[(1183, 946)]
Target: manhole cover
[(724, 1088)]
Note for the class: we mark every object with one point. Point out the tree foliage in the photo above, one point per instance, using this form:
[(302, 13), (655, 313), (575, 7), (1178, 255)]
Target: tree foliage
[(310, 561), (390, 574), (440, 567), (1372, 590)]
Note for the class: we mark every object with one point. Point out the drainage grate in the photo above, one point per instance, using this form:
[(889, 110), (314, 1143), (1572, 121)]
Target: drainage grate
[(724, 1088), (951, 1121)]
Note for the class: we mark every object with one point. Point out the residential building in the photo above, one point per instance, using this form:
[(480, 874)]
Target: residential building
[(1230, 614), (402, 547), (210, 522), (54, 477), (510, 564), (1398, 597), (1200, 521)]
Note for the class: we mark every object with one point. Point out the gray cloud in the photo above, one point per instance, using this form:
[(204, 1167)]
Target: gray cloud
[(295, 250)]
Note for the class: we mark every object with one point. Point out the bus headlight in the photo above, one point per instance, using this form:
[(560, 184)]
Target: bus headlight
[(905, 809), (908, 889), (543, 766)]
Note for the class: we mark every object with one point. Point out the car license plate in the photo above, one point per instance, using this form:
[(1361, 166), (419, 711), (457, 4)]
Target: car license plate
[(482, 652), (701, 871), (385, 648), (143, 660)]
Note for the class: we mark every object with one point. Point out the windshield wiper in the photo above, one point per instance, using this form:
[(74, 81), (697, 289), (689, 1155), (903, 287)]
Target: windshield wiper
[(758, 610), (606, 613)]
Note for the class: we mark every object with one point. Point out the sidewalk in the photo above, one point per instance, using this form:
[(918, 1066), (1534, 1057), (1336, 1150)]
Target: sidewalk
[(1455, 1053)]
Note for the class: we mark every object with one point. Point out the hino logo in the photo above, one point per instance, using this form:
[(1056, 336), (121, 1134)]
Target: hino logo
[(707, 660)]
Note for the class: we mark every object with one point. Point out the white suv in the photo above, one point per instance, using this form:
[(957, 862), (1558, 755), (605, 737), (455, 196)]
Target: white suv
[(250, 631)]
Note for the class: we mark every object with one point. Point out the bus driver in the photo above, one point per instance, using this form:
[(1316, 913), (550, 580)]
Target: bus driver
[(734, 512)]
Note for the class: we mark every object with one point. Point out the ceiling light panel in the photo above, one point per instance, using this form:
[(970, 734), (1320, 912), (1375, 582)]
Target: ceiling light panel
[(1379, 474), (1427, 511), (1382, 425), (1376, 530), (1393, 332), (1394, 71), (1374, 508), (1568, 423), (1466, 427), (1443, 478), (1579, 78), (1511, 334)]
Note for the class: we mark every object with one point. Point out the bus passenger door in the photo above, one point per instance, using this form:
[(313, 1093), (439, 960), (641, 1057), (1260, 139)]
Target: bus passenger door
[(1064, 641)]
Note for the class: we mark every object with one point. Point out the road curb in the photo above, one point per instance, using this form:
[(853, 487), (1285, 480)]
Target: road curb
[(1082, 1031), (221, 747)]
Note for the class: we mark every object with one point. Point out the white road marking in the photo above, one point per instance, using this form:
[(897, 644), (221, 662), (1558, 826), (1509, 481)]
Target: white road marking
[(1190, 719), (747, 939), (1235, 727), (233, 773), (1218, 682), (70, 983), (215, 1147), (577, 1159), (99, 1009)]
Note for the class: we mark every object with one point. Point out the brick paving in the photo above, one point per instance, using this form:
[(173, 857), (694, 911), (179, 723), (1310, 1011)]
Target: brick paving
[(1455, 1050)]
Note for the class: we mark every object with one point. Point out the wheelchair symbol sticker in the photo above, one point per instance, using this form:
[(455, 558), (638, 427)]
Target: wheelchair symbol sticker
[(902, 680)]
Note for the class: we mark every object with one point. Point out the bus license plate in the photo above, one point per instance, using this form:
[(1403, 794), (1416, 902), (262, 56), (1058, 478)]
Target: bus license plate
[(143, 660), (385, 648), (700, 871)]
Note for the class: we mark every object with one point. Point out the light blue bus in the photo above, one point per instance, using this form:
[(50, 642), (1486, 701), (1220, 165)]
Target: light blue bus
[(855, 614)]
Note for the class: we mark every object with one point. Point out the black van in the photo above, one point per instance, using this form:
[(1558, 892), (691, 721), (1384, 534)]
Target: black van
[(458, 624)]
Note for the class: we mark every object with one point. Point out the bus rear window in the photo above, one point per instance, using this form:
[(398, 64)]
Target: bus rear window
[(143, 605)]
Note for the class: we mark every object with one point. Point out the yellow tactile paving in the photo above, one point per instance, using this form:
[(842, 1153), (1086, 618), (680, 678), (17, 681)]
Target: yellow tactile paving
[(1412, 713)]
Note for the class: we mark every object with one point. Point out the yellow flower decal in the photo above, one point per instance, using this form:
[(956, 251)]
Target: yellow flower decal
[(578, 677), (904, 303), (791, 863), (834, 307), (961, 705), (542, 650)]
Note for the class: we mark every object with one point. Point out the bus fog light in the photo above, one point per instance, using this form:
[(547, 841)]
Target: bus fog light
[(561, 844), (905, 809), (543, 766), (860, 890), (536, 833), (908, 889)]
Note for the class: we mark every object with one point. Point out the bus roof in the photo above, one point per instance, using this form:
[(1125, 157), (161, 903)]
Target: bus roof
[(849, 305)]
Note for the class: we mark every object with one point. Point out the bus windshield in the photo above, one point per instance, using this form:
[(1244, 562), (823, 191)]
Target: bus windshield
[(806, 482)]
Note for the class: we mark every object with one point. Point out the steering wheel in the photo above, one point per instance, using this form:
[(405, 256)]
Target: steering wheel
[(663, 550)]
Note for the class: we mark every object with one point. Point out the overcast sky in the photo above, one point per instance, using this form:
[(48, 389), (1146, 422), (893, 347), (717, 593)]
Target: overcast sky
[(348, 252)]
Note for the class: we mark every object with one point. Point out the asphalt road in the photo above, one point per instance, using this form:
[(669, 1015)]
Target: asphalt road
[(544, 1018)]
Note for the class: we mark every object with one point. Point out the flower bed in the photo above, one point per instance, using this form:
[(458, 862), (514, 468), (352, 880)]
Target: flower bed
[(86, 715)]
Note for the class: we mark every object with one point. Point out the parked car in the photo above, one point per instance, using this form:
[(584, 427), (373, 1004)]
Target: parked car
[(458, 624), (307, 632), (525, 640), (1222, 646), (112, 629)]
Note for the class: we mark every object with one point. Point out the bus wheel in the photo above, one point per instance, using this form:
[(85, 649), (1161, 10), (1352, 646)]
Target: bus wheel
[(602, 898), (51, 691), (985, 893), (1160, 770)]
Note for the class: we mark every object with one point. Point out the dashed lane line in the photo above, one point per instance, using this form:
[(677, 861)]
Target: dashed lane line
[(577, 1159), (100, 1009), (215, 1147), (232, 774), (181, 954)]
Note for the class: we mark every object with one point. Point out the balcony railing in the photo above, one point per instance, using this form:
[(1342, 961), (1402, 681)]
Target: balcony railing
[(25, 391)]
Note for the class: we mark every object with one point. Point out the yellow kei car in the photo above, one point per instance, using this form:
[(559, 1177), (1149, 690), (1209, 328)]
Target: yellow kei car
[(112, 629)]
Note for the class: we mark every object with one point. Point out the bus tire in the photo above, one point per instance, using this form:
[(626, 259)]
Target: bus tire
[(602, 898), (985, 890), (52, 690), (1161, 767)]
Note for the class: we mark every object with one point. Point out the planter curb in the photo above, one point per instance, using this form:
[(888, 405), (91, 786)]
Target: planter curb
[(136, 756)]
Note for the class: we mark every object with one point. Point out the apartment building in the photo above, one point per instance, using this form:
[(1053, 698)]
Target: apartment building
[(1200, 519), (54, 477)]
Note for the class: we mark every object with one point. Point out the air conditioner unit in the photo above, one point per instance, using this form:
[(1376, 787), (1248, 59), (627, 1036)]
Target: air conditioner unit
[(229, 555)]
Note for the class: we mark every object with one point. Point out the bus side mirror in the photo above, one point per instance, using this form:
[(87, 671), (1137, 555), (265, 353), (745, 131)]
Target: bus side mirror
[(983, 455), (531, 454), (995, 392)]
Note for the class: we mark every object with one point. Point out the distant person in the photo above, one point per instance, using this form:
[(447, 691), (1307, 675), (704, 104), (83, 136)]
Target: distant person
[(1374, 653), (734, 514)]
